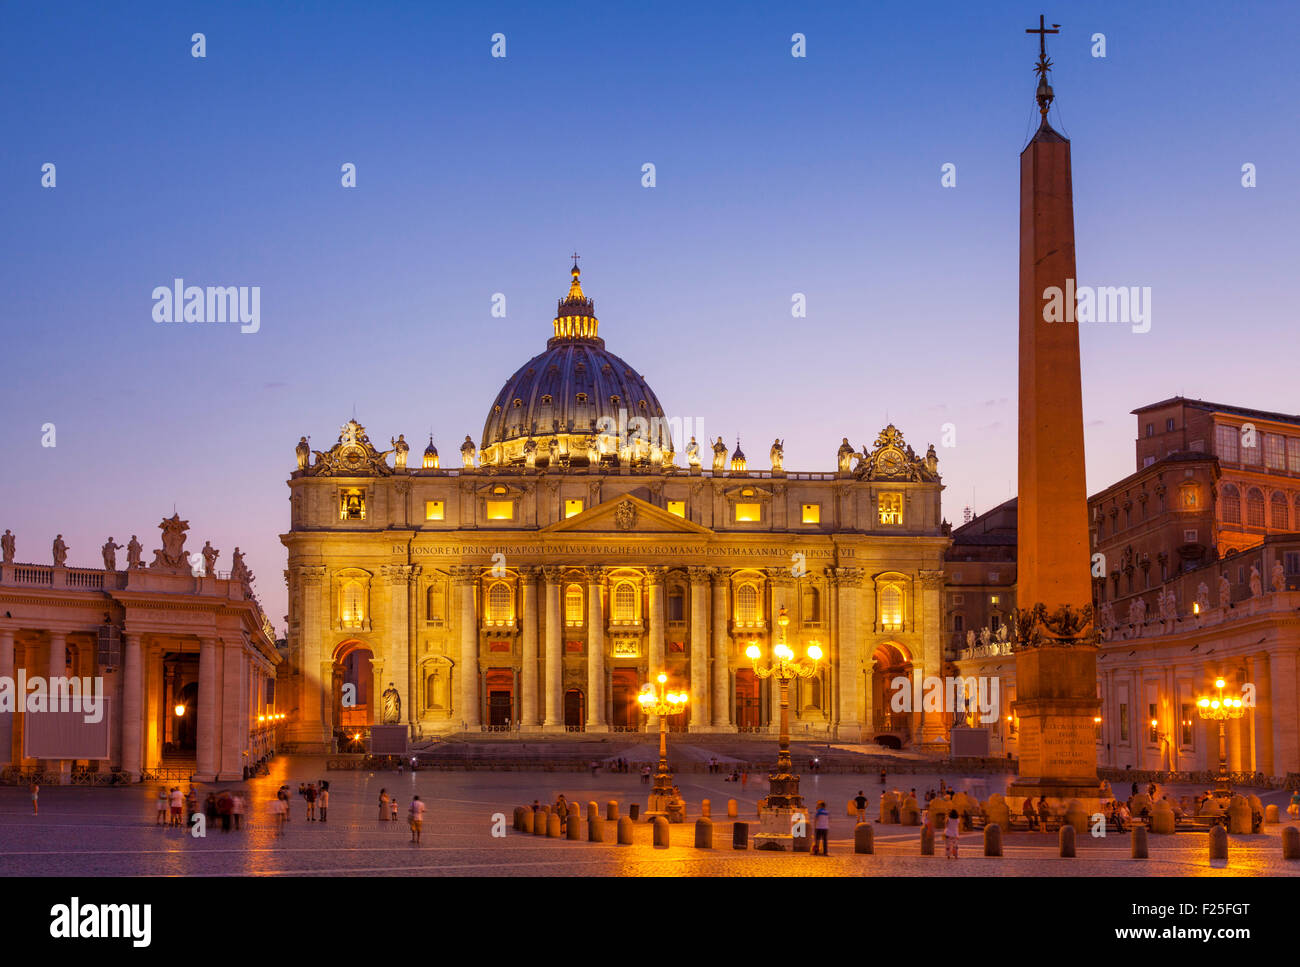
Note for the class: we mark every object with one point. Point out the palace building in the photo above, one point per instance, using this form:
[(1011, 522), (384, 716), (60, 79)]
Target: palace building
[(539, 585)]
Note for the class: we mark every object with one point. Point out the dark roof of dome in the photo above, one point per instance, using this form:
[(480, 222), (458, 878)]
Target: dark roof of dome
[(569, 387)]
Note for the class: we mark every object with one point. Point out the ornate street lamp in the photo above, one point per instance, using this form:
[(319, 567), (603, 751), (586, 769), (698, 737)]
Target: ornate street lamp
[(783, 796), (1220, 709), (659, 701)]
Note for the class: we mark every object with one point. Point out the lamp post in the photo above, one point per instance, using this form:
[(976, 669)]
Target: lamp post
[(1220, 709), (783, 785), (659, 701)]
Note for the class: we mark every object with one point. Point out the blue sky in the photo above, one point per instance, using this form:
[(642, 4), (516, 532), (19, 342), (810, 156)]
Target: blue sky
[(478, 175)]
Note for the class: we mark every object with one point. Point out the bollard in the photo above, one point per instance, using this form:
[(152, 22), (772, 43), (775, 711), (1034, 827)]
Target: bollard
[(706, 808), (1077, 816), (595, 831), (1162, 818), (1218, 843), (574, 830), (993, 840), (864, 838), (593, 811), (519, 816), (1139, 843), (660, 832), (739, 835), (1291, 843), (1239, 815), (526, 821), (553, 826), (704, 833), (1270, 813), (927, 841), (540, 819), (1067, 841), (731, 809), (611, 810), (625, 831), (633, 811)]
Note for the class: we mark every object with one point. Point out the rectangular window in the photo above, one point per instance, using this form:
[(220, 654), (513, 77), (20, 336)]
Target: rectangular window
[(812, 513), (1292, 559), (572, 508), (994, 599), (434, 510), (1225, 443), (1293, 454), (1186, 715), (1252, 450), (1147, 461), (748, 513), (1169, 425), (1123, 722), (1151, 429), (1189, 537), (891, 508), (958, 622), (677, 508), (1275, 451), (500, 510), (352, 505)]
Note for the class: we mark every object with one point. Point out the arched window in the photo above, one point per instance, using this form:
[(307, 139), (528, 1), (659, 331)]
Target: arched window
[(352, 607), (891, 607), (501, 603), (625, 603), (747, 605), (1231, 504), (573, 605), (1254, 508), (1277, 517)]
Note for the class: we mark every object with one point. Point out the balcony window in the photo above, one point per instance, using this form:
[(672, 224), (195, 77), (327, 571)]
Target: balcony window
[(434, 510)]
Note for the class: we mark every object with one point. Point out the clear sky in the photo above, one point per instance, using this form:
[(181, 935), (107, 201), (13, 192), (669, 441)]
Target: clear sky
[(476, 175)]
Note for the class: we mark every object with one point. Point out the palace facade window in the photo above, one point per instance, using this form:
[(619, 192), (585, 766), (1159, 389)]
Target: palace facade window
[(500, 604), (500, 509), (748, 513), (1231, 504), (891, 607), (812, 604), (676, 605), (433, 605), (624, 603), (434, 510), (352, 504), (1226, 439), (573, 606), (1277, 517), (352, 608), (891, 508), (1254, 508), (747, 605), (812, 513), (1275, 451)]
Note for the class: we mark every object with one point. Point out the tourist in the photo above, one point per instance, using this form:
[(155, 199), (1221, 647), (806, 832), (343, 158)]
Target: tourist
[(1124, 816), (163, 800), (237, 809), (279, 809), (561, 807), (1028, 810), (324, 799), (310, 796), (284, 798), (383, 804), (951, 832), (1135, 788), (883, 776), (392, 808), (821, 828), (1293, 810), (645, 775), (177, 801), (191, 806), (35, 790), (417, 819), (860, 804), (210, 809), (223, 810), (1044, 812)]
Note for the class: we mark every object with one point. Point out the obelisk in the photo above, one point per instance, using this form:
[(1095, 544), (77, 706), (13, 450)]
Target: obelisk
[(1056, 658)]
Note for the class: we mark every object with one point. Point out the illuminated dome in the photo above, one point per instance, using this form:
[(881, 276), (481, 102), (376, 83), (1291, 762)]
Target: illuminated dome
[(559, 404)]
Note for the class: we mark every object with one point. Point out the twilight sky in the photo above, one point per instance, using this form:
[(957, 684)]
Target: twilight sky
[(775, 175)]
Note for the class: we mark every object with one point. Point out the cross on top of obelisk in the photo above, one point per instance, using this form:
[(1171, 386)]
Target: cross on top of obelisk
[(1044, 94)]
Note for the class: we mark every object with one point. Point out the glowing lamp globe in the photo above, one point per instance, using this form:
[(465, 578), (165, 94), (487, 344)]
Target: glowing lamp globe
[(815, 652)]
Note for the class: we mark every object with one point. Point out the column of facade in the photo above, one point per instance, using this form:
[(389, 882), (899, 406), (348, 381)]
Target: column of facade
[(528, 673), (58, 667), (397, 577), (554, 720), (933, 732), (1283, 689), (463, 578), (7, 718), (722, 703), (655, 584), (132, 710), (312, 724), (232, 727), (699, 683), (596, 721), (205, 751), (866, 618), (848, 655), (1263, 712)]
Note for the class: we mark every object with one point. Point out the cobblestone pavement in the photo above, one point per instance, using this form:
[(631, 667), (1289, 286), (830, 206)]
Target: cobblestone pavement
[(109, 832)]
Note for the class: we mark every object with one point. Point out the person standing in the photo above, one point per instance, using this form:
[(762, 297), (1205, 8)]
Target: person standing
[(310, 795), (324, 800), (392, 807), (883, 776), (1044, 812), (951, 832), (821, 828), (177, 801), (417, 819), (161, 819), (36, 795), (1028, 810), (860, 804), (237, 809), (383, 804)]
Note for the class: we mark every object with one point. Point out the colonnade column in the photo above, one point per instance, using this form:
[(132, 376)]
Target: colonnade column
[(1263, 713), (554, 720), (311, 723), (596, 721), (231, 725), (699, 684), (6, 718), (528, 676), (132, 717), (655, 582), (722, 704), (933, 733), (1283, 689), (205, 752), (470, 713), (848, 723)]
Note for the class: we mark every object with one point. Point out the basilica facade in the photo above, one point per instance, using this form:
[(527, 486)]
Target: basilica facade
[(569, 559)]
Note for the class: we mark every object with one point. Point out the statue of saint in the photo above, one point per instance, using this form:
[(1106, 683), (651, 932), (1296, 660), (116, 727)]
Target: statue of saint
[(693, 454), (467, 452), (1256, 583), (777, 453), (210, 555), (593, 452), (970, 639), (7, 545), (1107, 618), (931, 460), (1203, 597), (237, 566), (1225, 591), (109, 550), (304, 453), (400, 449), (985, 637), (392, 711), (60, 551), (844, 455), (1279, 576), (719, 456), (134, 549)]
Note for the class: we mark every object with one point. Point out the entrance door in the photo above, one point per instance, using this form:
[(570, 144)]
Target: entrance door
[(500, 690), (626, 708), (747, 706), (575, 711)]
